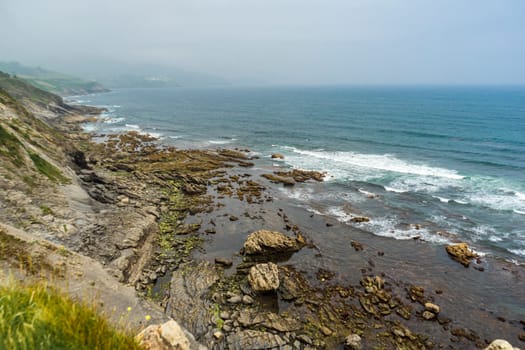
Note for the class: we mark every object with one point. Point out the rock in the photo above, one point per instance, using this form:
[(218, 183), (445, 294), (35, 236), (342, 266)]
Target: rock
[(168, 336), (187, 303), (264, 241), (248, 300), (277, 156), (264, 277), (233, 218), (252, 340), (353, 342), (500, 344), (356, 245), (359, 219), (218, 335), (427, 315), (326, 331), (432, 308), (461, 253), (521, 336), (224, 261), (236, 299)]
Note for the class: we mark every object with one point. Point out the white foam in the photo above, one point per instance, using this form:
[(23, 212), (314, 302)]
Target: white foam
[(392, 189), (520, 252), (386, 227), (219, 142), (132, 126), (522, 212), (366, 193), (114, 120), (520, 195), (384, 162), (442, 199)]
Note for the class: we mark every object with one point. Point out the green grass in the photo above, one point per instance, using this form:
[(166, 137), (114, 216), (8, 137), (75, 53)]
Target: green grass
[(10, 147), (39, 317), (47, 169)]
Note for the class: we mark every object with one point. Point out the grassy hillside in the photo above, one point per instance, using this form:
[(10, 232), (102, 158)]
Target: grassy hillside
[(54, 82)]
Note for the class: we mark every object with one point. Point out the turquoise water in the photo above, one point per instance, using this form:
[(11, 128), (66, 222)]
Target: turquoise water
[(451, 159)]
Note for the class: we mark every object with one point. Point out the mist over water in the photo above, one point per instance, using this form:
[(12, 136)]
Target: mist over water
[(442, 164)]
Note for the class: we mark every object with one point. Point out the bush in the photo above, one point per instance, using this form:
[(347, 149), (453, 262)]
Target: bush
[(40, 317)]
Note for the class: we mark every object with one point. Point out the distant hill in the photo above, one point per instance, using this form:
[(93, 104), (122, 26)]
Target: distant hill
[(54, 82)]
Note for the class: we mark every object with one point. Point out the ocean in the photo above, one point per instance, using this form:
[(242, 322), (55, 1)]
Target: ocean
[(440, 164)]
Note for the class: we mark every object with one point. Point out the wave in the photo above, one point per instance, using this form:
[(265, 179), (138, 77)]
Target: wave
[(442, 199), (375, 162), (392, 189), (112, 120), (520, 252), (132, 126)]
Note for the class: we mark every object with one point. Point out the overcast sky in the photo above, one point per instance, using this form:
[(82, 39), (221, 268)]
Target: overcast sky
[(279, 41)]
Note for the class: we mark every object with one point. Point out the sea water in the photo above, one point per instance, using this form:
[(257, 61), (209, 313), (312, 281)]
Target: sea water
[(441, 164)]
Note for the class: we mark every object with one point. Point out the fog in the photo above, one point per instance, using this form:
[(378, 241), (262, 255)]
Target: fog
[(275, 41)]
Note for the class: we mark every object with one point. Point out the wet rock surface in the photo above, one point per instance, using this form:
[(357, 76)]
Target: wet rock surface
[(461, 253)]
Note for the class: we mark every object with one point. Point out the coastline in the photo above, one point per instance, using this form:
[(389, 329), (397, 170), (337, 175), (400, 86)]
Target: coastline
[(149, 210)]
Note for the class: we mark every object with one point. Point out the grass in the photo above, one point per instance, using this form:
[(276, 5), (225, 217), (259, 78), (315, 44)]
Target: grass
[(10, 146), (37, 316), (47, 169)]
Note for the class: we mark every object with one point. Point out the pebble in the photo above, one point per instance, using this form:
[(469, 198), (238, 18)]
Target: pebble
[(218, 335), (326, 331), (432, 308), (235, 299), (248, 300), (427, 315), (225, 315)]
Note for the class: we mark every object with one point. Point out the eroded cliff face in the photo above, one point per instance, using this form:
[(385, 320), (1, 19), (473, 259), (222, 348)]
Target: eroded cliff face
[(45, 207)]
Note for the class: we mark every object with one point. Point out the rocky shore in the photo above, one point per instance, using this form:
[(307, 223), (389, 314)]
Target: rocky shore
[(204, 238)]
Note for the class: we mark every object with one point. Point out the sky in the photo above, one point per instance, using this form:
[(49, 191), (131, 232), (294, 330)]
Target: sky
[(288, 42)]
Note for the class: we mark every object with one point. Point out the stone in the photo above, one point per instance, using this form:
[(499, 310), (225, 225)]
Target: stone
[(264, 241), (277, 156), (252, 340), (427, 315), (500, 344), (224, 261), (326, 331), (248, 300), (264, 277), (432, 308), (353, 342), (168, 336), (461, 253), (187, 303), (218, 335), (236, 299), (359, 219)]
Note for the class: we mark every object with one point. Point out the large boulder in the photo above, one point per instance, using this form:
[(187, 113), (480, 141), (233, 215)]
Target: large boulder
[(500, 344), (264, 242), (264, 277), (461, 253), (167, 336)]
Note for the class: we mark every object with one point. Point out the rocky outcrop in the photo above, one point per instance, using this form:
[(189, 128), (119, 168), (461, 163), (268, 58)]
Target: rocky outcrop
[(187, 302), (264, 277), (461, 253), (500, 344), (277, 156), (167, 336), (269, 242)]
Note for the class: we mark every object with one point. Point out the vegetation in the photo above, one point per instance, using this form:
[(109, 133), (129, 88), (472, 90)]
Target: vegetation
[(48, 169), (10, 147), (53, 82), (39, 317)]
